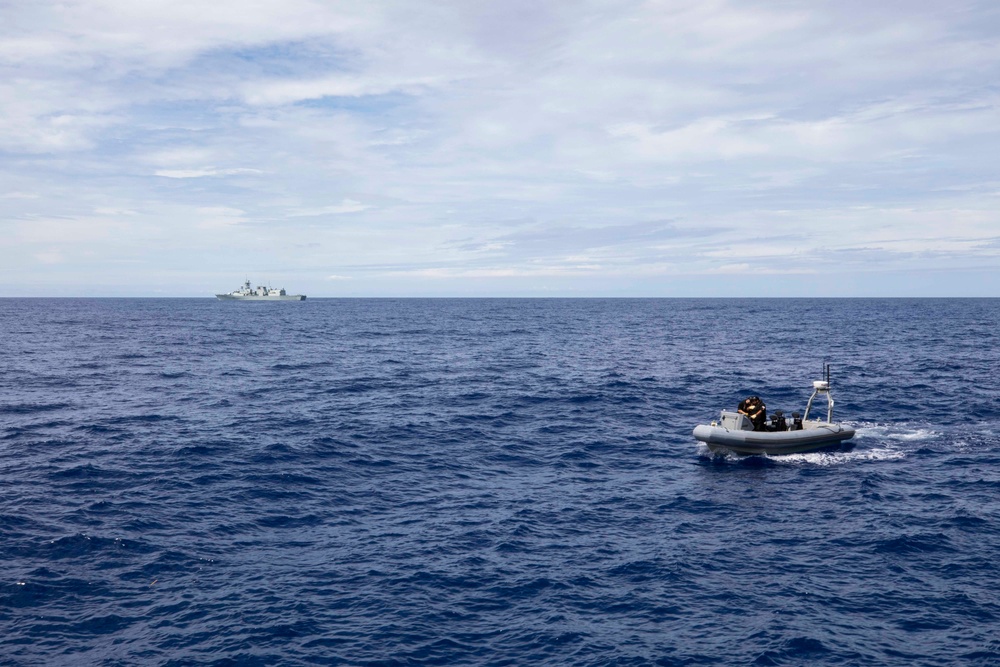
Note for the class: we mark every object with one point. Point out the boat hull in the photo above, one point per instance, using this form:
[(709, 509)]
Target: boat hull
[(284, 297), (814, 437)]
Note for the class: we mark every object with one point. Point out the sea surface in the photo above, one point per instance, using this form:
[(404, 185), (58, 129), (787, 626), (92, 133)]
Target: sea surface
[(493, 482)]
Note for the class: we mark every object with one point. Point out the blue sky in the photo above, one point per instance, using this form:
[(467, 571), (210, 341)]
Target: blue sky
[(593, 148)]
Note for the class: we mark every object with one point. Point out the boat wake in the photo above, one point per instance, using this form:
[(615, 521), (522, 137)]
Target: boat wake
[(838, 458), (888, 453), (872, 442), (897, 432)]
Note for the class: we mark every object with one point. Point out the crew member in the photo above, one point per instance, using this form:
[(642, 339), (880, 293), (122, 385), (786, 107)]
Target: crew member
[(755, 409)]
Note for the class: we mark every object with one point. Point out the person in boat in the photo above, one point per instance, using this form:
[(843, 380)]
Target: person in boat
[(755, 409)]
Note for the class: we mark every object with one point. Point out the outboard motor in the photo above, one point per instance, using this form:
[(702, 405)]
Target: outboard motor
[(796, 421)]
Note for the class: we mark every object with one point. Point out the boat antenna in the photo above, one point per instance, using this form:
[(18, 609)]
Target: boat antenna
[(829, 396)]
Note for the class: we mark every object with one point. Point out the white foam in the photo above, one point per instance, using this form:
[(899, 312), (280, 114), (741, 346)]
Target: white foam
[(816, 458), (903, 432), (919, 434), (839, 458)]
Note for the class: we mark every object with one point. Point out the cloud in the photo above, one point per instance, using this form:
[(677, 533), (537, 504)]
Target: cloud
[(162, 32), (202, 173), (534, 240), (450, 273), (705, 139), (50, 257), (278, 93), (68, 230), (345, 206), (215, 217), (599, 142)]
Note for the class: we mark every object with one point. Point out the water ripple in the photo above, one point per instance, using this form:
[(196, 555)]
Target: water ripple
[(493, 482)]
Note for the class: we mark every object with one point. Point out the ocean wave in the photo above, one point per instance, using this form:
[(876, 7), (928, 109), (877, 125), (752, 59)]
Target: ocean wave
[(492, 482)]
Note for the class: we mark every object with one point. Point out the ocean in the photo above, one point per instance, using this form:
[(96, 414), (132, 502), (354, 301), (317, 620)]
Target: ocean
[(494, 482)]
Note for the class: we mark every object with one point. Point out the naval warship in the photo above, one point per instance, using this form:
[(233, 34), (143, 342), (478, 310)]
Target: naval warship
[(247, 293)]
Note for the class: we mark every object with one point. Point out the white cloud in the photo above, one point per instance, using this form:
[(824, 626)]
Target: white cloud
[(65, 231), (499, 272), (215, 217), (346, 206), (202, 173), (277, 93), (499, 141), (175, 156), (110, 210), (163, 32), (50, 257), (704, 139)]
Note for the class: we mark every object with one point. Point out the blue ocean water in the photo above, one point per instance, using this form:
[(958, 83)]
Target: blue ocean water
[(493, 482)]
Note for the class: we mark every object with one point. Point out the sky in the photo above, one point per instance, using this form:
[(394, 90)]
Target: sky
[(598, 148)]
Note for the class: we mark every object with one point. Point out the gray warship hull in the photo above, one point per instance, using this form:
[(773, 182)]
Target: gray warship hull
[(240, 297)]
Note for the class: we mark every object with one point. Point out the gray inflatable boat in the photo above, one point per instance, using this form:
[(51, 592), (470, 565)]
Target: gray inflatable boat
[(734, 431)]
